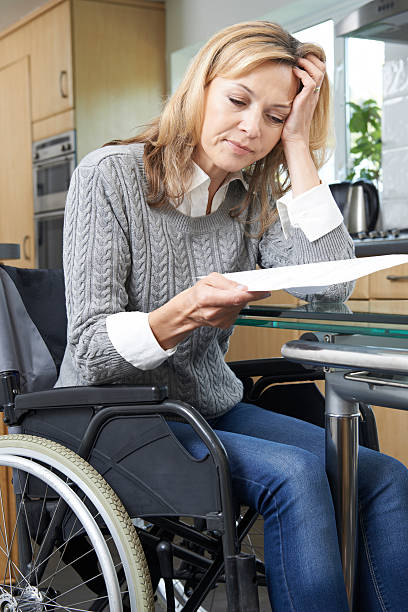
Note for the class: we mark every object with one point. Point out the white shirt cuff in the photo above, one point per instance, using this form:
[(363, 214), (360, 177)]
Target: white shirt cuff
[(315, 212), (132, 337)]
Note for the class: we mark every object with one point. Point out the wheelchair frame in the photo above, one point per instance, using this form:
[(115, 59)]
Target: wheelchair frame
[(239, 569)]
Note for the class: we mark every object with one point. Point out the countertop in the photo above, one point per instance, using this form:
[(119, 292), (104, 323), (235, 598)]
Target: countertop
[(381, 246), (9, 251)]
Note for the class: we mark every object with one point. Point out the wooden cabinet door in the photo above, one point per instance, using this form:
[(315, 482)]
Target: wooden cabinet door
[(392, 424), (51, 62), (390, 284), (16, 184), (14, 44), (119, 69), (261, 342), (361, 289)]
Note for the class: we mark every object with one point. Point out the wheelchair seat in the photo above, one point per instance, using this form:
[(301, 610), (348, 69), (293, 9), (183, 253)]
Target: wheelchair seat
[(76, 468)]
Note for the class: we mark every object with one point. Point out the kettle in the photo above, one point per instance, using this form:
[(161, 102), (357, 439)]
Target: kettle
[(359, 204)]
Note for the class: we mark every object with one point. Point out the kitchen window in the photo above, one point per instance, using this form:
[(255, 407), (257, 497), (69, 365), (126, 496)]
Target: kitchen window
[(364, 81), (323, 35)]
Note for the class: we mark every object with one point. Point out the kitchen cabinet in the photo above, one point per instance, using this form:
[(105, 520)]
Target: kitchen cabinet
[(391, 284), (388, 291), (51, 62), (119, 73), (16, 219), (361, 289), (260, 343), (16, 193), (94, 65), (392, 424)]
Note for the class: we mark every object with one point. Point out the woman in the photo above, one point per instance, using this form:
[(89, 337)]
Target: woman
[(193, 197)]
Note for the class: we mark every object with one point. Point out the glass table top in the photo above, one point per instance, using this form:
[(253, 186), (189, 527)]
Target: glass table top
[(329, 317)]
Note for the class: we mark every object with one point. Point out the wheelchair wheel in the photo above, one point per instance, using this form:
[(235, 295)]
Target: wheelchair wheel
[(71, 545)]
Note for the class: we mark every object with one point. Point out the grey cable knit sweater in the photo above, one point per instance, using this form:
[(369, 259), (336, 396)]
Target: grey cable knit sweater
[(122, 255)]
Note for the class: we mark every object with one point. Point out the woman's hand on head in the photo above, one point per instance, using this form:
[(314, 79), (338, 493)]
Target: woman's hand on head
[(310, 71), (214, 301)]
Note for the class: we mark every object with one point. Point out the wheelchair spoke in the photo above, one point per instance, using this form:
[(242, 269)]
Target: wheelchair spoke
[(58, 549), (5, 540), (60, 569), (63, 548), (3, 534), (77, 586), (54, 603), (79, 549), (14, 566), (16, 474)]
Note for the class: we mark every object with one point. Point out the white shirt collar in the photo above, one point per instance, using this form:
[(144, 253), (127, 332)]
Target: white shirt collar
[(195, 200), (199, 177)]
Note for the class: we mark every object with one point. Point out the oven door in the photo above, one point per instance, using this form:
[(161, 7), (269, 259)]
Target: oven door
[(51, 182), (48, 237)]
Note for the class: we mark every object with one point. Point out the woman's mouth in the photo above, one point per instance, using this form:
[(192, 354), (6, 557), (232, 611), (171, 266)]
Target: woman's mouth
[(238, 148)]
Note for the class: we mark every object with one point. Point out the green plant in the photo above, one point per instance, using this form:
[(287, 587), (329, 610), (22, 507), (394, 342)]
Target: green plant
[(365, 128)]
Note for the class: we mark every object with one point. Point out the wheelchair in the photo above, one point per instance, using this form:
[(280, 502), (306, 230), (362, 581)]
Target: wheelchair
[(101, 508)]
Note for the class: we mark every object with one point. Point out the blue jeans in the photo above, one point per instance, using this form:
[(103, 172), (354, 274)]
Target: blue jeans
[(277, 465)]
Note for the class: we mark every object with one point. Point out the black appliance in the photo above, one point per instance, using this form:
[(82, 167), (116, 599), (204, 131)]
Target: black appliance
[(381, 242), (341, 192)]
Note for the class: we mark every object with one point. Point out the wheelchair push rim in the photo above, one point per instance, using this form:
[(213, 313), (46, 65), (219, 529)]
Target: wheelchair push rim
[(63, 473)]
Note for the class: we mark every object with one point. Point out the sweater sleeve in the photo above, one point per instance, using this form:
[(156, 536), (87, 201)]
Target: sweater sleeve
[(96, 264), (276, 250)]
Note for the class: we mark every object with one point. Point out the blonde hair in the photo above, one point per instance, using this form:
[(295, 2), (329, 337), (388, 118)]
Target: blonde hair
[(170, 139)]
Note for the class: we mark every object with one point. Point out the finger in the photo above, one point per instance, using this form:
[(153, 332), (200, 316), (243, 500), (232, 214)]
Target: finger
[(309, 84), (258, 295), (220, 281), (312, 63), (209, 296), (312, 70), (240, 297), (320, 64)]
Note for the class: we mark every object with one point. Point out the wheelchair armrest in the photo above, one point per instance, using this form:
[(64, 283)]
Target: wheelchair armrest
[(277, 369), (109, 395)]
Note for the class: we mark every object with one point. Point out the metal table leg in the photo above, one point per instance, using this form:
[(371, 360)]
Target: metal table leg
[(342, 417), (370, 381)]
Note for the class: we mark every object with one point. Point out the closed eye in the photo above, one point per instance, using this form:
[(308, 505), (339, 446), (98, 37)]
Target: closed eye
[(236, 101), (271, 118), (275, 119)]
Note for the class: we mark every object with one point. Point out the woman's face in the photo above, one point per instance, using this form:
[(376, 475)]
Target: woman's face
[(244, 118)]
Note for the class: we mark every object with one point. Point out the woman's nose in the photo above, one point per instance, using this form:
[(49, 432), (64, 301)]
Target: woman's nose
[(251, 123)]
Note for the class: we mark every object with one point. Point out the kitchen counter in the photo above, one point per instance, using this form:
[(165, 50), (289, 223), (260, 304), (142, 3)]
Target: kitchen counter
[(9, 251), (381, 246)]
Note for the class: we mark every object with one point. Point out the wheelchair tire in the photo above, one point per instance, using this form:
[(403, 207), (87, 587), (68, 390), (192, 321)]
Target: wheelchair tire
[(71, 577)]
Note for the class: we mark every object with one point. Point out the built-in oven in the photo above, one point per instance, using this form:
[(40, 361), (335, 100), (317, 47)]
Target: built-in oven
[(54, 160)]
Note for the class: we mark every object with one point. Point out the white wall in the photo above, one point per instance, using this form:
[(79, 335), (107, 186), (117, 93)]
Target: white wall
[(395, 137), (191, 22)]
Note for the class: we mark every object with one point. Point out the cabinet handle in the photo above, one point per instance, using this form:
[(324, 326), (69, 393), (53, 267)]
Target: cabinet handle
[(63, 92), (26, 247), (393, 277)]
